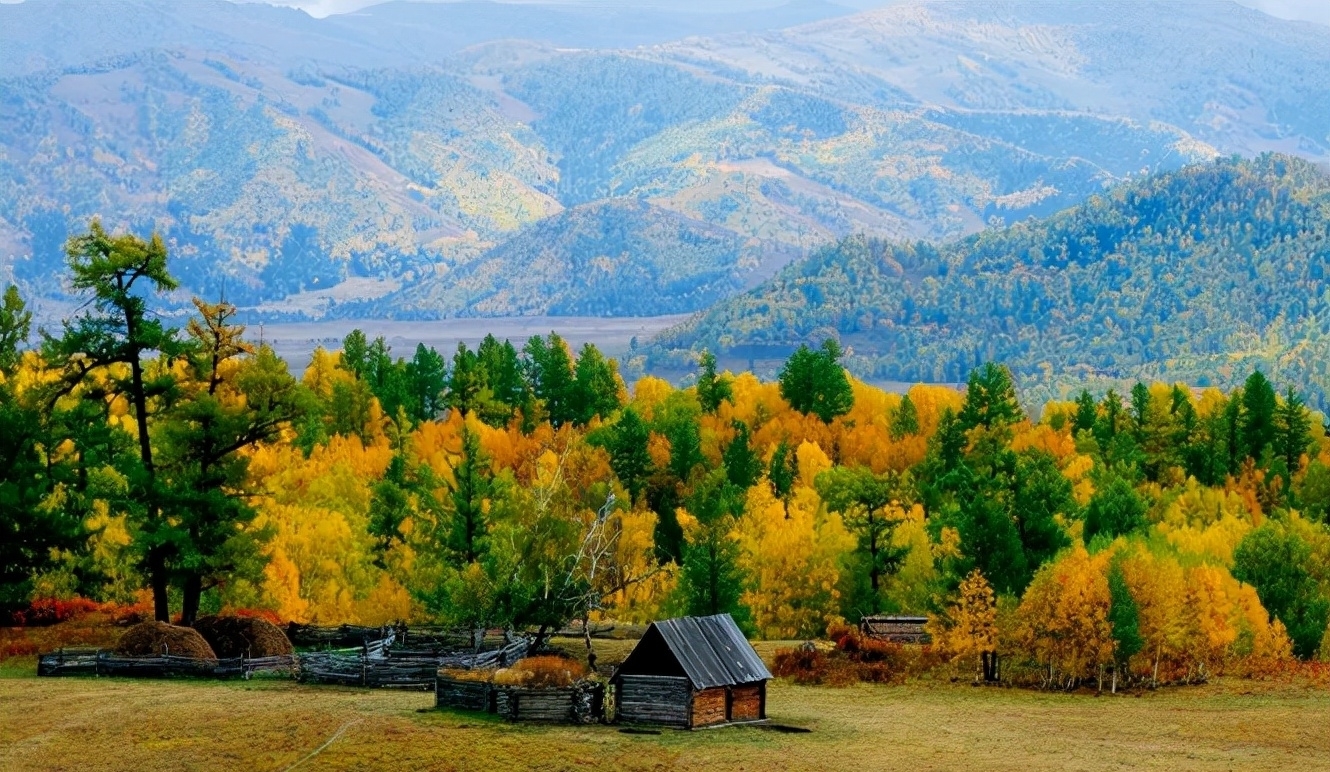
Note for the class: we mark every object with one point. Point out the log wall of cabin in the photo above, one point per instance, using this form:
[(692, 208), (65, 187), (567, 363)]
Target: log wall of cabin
[(653, 700), (710, 706), (747, 702)]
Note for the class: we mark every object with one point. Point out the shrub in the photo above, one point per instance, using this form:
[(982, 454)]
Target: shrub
[(49, 611), (805, 665)]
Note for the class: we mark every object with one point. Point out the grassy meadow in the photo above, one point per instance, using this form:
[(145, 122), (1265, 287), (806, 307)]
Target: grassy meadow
[(116, 724)]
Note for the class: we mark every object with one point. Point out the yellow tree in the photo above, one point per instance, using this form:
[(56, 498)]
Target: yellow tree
[(1064, 619), (792, 562), (968, 631)]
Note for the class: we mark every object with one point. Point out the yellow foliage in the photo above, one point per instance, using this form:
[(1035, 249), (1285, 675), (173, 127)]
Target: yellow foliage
[(1207, 522), (648, 393), (812, 462), (792, 560), (969, 628), (1064, 616)]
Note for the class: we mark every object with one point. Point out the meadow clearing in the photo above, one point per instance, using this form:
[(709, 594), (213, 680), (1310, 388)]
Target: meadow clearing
[(117, 724)]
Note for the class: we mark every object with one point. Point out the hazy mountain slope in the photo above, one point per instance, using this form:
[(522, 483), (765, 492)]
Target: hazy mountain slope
[(54, 34), (621, 257), (281, 154), (1194, 274), (1232, 76)]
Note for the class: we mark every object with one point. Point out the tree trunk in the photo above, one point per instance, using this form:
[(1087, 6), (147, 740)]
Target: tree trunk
[(1115, 679), (193, 590), (1154, 681), (157, 576)]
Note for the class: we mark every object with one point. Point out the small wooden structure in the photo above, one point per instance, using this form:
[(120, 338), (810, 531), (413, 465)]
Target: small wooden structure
[(580, 703), (692, 672), (896, 629)]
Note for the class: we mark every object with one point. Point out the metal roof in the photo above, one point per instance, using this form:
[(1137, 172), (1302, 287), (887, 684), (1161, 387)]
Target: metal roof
[(712, 650)]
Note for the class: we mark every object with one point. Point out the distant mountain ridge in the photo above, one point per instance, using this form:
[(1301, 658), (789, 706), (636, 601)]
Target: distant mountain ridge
[(1196, 275), (286, 157)]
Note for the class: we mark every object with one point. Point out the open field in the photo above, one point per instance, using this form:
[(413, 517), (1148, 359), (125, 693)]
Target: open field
[(296, 341), (105, 724)]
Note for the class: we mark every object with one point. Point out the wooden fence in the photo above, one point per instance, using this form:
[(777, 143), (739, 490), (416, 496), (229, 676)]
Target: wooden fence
[(376, 665), (98, 662)]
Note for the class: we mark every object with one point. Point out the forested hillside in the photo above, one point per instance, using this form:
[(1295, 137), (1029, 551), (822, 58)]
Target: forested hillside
[(1196, 275), (281, 156), (1167, 534)]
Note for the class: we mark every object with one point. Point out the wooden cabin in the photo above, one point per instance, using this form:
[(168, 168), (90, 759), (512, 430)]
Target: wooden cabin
[(896, 629), (692, 672)]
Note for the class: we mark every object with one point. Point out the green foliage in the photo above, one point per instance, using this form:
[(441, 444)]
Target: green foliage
[(905, 421), (783, 470), (864, 501), (1314, 492), (427, 376), (742, 465), (1216, 256), (1275, 561), (1116, 509), (595, 391), (34, 528), (712, 389), (1125, 616), (711, 580), (813, 382), (550, 373), (1258, 415), (1292, 431), (473, 483), (990, 399), (1087, 411), (627, 445), (1042, 495), (15, 325)]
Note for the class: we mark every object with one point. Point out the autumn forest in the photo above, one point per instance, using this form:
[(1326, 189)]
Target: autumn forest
[(1169, 532)]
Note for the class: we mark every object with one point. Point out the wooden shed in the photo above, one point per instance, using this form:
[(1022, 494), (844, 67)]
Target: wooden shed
[(692, 672), (897, 629)]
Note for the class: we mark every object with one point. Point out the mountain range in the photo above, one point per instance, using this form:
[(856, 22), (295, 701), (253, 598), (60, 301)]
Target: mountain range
[(425, 161)]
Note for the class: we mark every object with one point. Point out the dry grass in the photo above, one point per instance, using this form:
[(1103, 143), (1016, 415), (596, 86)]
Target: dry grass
[(111, 724)]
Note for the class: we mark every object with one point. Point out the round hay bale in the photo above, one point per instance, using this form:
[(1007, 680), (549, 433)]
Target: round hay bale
[(152, 639), (247, 637)]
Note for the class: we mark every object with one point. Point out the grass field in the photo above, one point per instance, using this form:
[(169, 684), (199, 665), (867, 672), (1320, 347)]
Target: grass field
[(112, 724)]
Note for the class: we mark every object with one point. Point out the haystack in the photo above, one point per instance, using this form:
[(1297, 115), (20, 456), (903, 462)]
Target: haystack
[(151, 639), (243, 637)]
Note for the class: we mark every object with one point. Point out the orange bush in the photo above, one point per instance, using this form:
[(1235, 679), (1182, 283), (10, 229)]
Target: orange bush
[(804, 665)]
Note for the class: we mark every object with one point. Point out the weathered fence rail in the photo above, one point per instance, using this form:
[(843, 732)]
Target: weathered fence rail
[(98, 662), (392, 668), (374, 665)]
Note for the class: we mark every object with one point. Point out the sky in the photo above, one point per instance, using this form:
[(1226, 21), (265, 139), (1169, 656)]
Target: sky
[(1301, 10)]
